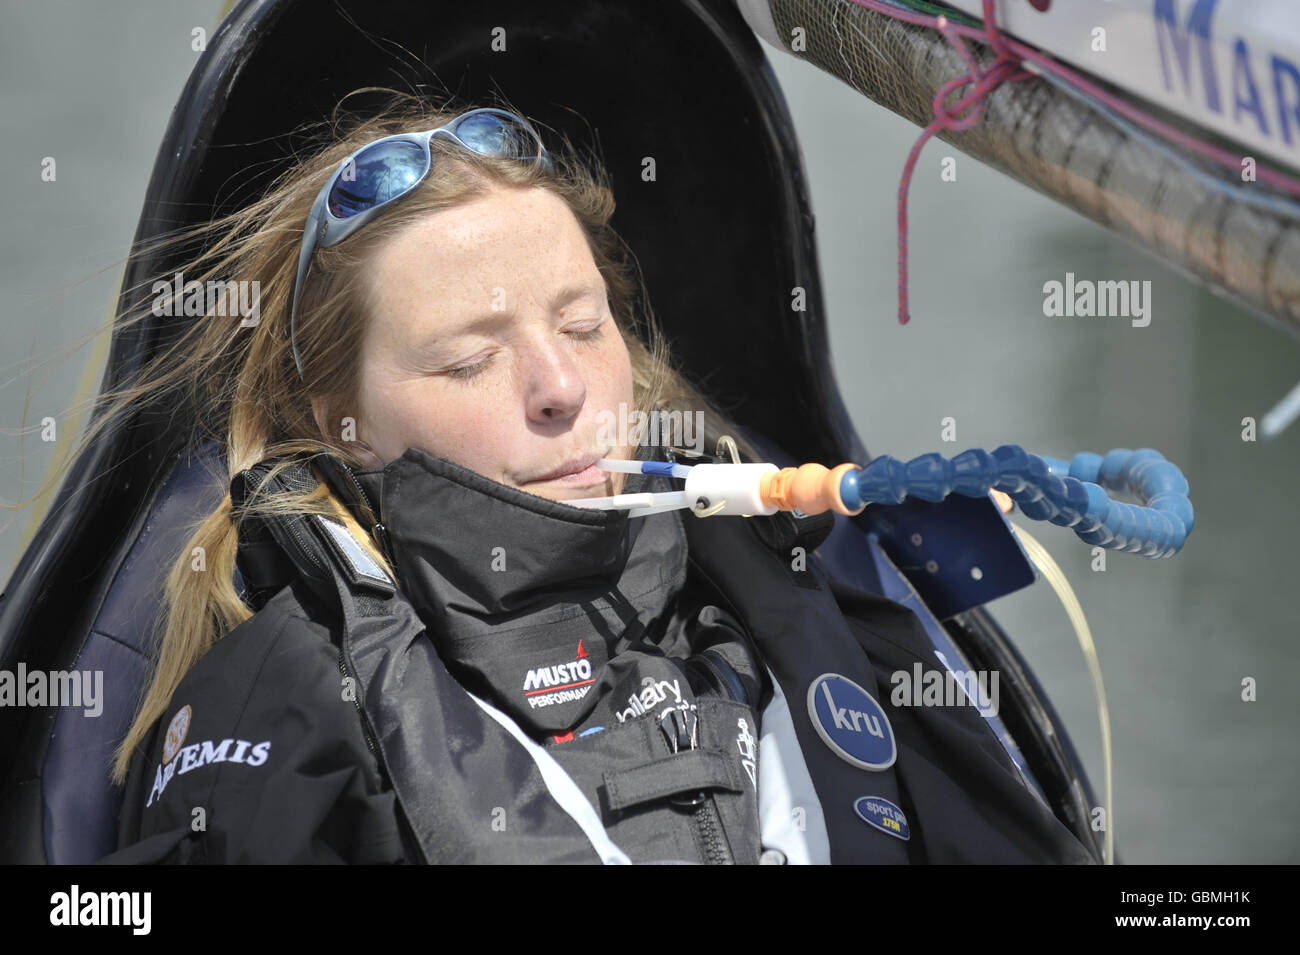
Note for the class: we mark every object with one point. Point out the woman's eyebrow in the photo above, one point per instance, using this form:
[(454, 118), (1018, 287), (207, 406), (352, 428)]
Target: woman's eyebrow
[(571, 292), (488, 321)]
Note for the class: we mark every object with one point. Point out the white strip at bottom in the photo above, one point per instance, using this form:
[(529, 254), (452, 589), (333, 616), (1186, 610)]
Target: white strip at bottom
[(789, 812), (563, 790)]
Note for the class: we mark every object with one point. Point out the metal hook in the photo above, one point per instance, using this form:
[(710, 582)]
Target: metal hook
[(728, 442), (710, 510)]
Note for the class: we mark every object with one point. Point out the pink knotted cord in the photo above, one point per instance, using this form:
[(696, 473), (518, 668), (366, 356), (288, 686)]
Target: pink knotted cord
[(1010, 54), (960, 116)]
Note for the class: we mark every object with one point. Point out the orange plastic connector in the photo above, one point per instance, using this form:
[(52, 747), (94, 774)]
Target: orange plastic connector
[(812, 488)]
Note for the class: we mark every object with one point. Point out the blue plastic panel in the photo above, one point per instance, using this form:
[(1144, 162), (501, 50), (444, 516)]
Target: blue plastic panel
[(958, 554)]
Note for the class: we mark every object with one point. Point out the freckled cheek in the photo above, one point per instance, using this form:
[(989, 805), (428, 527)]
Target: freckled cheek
[(401, 414), (469, 423), (609, 377), (438, 418)]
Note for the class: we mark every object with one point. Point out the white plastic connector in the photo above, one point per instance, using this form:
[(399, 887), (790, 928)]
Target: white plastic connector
[(735, 483)]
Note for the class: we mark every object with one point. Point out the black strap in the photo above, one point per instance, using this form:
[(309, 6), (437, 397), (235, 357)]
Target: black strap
[(689, 771), (782, 531)]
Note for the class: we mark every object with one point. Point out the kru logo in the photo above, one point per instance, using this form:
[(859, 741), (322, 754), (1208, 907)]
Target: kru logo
[(851, 722)]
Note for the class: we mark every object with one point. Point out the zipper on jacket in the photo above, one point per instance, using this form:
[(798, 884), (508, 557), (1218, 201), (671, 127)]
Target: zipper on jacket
[(681, 735), (301, 541), (356, 702), (710, 827), (358, 491), (411, 847), (377, 529)]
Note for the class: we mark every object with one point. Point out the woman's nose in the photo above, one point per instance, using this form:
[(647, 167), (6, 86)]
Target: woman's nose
[(555, 386)]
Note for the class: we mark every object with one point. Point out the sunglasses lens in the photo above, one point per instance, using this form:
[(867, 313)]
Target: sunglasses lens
[(496, 135), (381, 172)]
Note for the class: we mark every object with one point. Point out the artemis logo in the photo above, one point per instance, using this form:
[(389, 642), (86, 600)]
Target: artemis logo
[(561, 683), (102, 908), (204, 753), (176, 730)]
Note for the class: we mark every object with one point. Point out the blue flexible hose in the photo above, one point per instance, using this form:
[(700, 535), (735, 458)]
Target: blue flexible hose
[(1070, 494)]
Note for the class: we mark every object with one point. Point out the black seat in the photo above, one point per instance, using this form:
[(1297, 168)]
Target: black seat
[(80, 805), (722, 236)]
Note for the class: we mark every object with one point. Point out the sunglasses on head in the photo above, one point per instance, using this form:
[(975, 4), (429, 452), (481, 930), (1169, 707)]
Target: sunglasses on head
[(381, 172)]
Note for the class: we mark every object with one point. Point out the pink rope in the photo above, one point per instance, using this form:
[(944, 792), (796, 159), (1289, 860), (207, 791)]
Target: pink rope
[(961, 115), (1005, 68)]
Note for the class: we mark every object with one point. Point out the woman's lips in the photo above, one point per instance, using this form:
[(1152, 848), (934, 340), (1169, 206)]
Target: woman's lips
[(587, 477), (579, 472)]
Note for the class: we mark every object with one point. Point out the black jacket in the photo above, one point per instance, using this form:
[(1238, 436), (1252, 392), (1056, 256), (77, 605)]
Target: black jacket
[(713, 698)]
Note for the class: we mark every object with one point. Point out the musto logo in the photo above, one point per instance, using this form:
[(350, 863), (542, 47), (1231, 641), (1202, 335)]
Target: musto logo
[(851, 722), (562, 683)]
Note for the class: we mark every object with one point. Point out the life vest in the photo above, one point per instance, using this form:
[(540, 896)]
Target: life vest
[(684, 689)]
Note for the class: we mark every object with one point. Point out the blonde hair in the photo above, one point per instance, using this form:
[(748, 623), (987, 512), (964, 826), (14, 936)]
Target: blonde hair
[(245, 386)]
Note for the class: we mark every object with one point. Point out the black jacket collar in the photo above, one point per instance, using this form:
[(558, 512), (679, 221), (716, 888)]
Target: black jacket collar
[(473, 555)]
